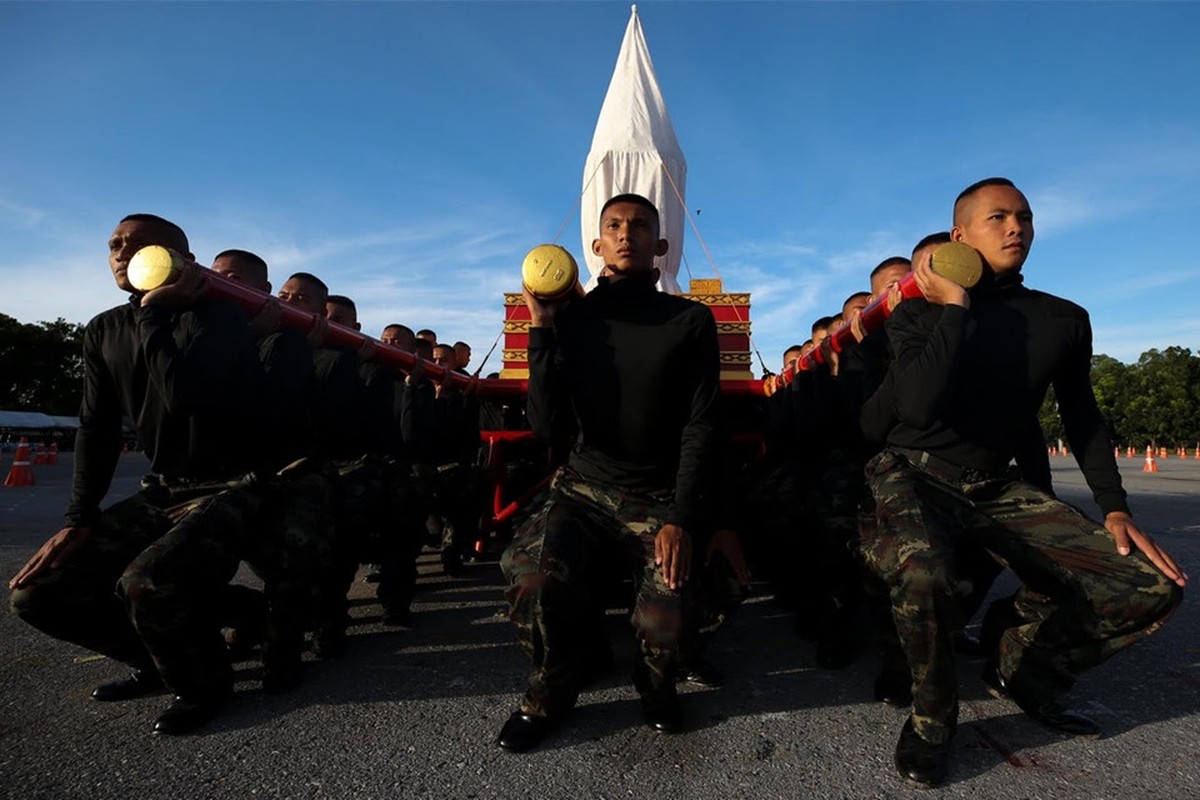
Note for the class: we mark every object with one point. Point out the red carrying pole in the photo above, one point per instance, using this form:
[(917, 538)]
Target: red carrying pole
[(254, 301), (160, 266), (872, 318)]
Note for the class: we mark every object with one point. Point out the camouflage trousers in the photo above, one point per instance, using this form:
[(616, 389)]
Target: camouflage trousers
[(1080, 602), (552, 569), (296, 545), (378, 513), (973, 563), (459, 499), (715, 597), (778, 521), (147, 586), (840, 577), (133, 590)]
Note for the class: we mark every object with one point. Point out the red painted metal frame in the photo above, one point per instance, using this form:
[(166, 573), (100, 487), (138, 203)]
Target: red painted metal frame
[(872, 317), (503, 511)]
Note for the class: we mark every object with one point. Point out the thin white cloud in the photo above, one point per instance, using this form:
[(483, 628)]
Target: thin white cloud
[(1059, 209), (19, 216), (1126, 342), (424, 274), (1154, 170), (75, 287), (1152, 282), (793, 283)]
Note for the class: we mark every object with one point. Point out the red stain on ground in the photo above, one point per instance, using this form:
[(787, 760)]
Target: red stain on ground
[(1001, 748)]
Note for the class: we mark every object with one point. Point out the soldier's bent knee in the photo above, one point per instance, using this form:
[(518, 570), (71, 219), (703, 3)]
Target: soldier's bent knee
[(1171, 597), (530, 584), (135, 586), (923, 576), (24, 602)]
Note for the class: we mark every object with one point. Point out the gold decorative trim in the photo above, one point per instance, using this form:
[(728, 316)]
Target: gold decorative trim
[(726, 299), (515, 355), (733, 327), (705, 286), (735, 358), (517, 325), (514, 374)]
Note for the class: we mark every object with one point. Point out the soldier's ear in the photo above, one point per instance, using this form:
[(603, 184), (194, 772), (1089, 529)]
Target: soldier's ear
[(661, 248)]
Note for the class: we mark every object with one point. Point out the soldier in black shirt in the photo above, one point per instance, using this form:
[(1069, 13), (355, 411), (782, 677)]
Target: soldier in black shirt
[(294, 533), (335, 437), (636, 371), (135, 581), (383, 509), (970, 371), (453, 451)]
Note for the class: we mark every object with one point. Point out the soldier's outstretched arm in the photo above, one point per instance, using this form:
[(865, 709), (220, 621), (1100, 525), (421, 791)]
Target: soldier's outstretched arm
[(673, 552), (57, 549), (1125, 532)]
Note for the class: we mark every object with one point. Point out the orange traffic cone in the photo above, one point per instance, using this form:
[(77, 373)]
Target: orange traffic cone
[(1149, 466), (1116, 452), (39, 455), (1129, 452), (21, 474), (1198, 452), (1064, 452), (52, 456), (1162, 452)]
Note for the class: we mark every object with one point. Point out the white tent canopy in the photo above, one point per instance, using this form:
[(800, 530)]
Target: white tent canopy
[(35, 420), (634, 140)]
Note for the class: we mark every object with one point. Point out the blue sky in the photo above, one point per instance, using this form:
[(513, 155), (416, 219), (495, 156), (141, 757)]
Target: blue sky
[(410, 153)]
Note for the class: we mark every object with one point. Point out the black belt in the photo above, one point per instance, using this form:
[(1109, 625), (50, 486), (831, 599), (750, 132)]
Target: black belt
[(948, 471)]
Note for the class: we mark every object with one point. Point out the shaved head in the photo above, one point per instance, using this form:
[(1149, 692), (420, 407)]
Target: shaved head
[(965, 199)]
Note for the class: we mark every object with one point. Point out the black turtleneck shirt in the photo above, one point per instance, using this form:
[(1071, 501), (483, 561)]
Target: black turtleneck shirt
[(187, 378), (638, 370), (966, 384)]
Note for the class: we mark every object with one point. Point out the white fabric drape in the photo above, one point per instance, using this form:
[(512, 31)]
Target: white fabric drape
[(634, 138)]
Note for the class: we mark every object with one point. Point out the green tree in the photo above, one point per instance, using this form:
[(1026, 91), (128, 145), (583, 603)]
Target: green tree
[(1113, 385), (41, 366), (1049, 419), (1155, 401), (1164, 407)]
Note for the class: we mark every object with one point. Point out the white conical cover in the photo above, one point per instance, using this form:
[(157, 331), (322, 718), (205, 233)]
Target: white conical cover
[(634, 138)]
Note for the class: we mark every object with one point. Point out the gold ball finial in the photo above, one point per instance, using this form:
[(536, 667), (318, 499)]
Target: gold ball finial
[(549, 272), (959, 262), (154, 266)]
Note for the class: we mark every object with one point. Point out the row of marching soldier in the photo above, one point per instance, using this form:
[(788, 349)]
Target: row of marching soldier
[(266, 447), (889, 481), (932, 476), (906, 471)]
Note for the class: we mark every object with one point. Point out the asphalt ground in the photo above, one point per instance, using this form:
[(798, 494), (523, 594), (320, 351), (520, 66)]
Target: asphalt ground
[(414, 713)]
